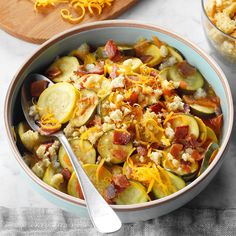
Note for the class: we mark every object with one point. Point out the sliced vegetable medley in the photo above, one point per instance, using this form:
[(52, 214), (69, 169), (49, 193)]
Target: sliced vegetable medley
[(142, 121)]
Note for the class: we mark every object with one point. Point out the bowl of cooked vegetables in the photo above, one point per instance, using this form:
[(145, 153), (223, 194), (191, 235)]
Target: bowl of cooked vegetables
[(219, 23), (147, 113)]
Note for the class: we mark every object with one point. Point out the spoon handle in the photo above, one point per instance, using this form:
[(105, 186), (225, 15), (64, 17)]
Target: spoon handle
[(101, 214)]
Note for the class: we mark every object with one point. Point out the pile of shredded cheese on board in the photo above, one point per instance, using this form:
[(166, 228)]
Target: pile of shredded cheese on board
[(80, 7)]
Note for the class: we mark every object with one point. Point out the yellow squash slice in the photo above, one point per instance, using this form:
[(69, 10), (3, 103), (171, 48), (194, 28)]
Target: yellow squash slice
[(66, 66), (101, 183), (58, 100)]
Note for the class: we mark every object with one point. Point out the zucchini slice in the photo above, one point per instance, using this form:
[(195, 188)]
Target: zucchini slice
[(73, 187), (133, 64), (192, 82), (29, 138), (66, 65), (84, 151), (176, 182), (103, 181), (203, 130), (127, 50), (210, 151), (179, 169), (133, 194), (175, 53), (52, 178), (102, 109), (202, 111), (154, 51), (113, 153), (58, 99), (185, 120), (85, 108), (211, 135)]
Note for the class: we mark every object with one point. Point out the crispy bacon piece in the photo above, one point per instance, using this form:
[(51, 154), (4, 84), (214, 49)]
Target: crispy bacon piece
[(119, 153), (146, 58), (110, 193), (142, 151), (181, 132), (133, 98), (53, 72), (37, 87), (209, 101), (185, 69), (120, 181), (157, 107), (121, 137), (112, 51), (196, 155), (215, 123), (191, 141), (175, 149), (95, 121), (66, 174)]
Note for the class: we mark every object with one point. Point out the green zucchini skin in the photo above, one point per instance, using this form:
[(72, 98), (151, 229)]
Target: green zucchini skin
[(133, 194), (202, 111), (177, 182), (193, 82), (205, 162)]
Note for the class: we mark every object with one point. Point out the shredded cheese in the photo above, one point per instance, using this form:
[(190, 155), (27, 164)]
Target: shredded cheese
[(80, 7)]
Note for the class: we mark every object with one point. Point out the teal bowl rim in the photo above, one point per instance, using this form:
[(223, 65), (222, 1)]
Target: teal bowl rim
[(117, 23)]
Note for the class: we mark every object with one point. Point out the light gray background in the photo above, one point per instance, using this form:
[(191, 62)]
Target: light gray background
[(180, 16)]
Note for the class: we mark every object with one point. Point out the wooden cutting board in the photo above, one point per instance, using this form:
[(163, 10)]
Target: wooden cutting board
[(18, 18)]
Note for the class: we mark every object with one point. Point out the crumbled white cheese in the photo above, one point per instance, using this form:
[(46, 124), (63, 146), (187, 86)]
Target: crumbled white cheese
[(170, 62), (112, 105), (89, 67), (128, 62), (200, 93), (41, 152), (165, 84), (175, 162), (169, 132), (106, 127), (187, 157), (118, 82), (176, 84), (93, 137), (40, 167), (177, 104), (33, 112), (126, 110), (107, 119), (116, 115), (106, 105), (82, 129), (141, 159), (119, 98), (158, 92), (170, 157), (189, 150), (156, 157), (164, 51), (150, 115)]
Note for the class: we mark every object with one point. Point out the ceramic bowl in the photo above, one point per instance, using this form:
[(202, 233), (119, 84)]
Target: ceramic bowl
[(222, 43), (123, 32)]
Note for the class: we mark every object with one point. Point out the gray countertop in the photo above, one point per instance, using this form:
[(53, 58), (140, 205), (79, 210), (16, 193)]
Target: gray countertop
[(180, 16)]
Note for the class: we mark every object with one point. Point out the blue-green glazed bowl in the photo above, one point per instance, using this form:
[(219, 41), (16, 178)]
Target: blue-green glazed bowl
[(124, 32)]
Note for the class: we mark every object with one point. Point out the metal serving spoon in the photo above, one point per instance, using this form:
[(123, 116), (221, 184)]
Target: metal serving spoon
[(101, 214)]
